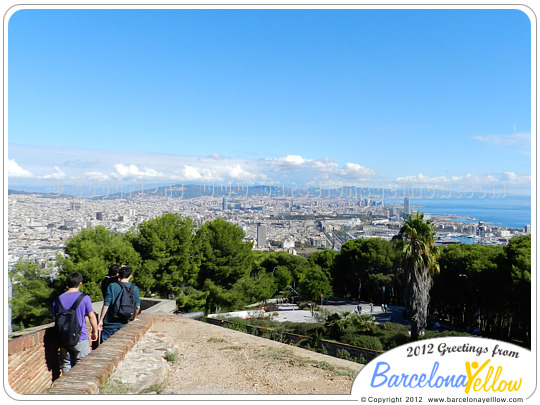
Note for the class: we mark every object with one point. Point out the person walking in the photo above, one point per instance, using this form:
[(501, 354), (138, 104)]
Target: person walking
[(112, 277), (70, 355), (110, 322)]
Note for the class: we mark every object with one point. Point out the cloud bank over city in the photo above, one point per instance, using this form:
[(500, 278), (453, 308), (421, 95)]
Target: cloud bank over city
[(42, 165), (87, 165)]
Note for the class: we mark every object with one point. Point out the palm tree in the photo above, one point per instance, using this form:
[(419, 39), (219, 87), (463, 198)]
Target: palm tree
[(419, 260)]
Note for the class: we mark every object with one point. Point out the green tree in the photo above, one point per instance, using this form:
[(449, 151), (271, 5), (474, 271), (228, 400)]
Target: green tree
[(471, 287), (488, 287), (283, 278), (261, 285), (313, 282), (91, 252), (167, 248), (33, 294), (325, 259), (518, 262), (419, 260), (358, 263), (226, 260), (285, 268)]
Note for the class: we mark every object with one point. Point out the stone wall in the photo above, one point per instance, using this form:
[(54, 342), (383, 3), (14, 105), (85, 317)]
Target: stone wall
[(92, 371), (33, 361), (33, 354)]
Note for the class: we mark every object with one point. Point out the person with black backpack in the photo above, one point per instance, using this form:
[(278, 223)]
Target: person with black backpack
[(70, 310), (120, 305)]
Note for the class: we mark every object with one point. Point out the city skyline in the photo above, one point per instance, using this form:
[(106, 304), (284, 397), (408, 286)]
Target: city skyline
[(308, 97)]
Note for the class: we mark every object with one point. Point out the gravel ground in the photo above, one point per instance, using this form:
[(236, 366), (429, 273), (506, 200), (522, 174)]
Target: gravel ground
[(215, 360)]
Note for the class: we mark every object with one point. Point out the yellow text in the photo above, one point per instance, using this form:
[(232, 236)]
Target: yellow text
[(489, 381)]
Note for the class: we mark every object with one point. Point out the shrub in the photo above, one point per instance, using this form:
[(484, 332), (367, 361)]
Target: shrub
[(392, 335), (429, 334), (389, 341), (344, 354), (171, 356), (236, 325), (306, 328), (393, 327), (367, 342)]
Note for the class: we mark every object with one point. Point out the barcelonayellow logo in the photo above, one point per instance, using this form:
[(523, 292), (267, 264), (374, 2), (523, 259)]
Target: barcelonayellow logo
[(469, 366)]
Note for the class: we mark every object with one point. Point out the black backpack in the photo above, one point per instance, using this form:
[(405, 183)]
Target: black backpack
[(66, 323), (124, 306)]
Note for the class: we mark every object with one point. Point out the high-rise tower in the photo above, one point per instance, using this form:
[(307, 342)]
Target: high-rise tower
[(406, 207), (261, 235)]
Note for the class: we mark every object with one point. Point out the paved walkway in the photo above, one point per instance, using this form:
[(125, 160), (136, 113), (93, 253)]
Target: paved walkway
[(144, 367), (292, 313)]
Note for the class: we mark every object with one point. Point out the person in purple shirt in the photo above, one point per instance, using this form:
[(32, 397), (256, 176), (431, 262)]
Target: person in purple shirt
[(69, 356)]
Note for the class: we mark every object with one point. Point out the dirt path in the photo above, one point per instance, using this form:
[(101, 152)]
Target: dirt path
[(215, 360)]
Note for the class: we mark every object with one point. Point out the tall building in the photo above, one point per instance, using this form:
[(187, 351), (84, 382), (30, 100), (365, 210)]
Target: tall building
[(261, 235), (224, 204), (481, 230), (99, 216), (406, 207)]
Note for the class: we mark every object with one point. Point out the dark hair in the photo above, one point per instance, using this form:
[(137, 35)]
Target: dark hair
[(74, 279), (124, 272), (114, 269)]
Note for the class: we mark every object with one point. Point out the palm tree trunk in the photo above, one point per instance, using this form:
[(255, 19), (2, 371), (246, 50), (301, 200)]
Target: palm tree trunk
[(420, 284)]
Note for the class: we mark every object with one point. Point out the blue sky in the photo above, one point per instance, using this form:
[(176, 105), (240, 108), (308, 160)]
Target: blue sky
[(309, 97)]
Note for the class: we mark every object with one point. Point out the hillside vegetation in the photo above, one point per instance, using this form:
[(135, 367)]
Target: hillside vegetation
[(212, 268)]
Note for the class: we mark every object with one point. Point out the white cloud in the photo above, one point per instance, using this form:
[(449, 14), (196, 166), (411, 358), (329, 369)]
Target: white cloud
[(469, 180), (57, 175), (16, 171), (475, 179), (294, 160), (97, 176), (519, 142), (468, 176), (132, 171), (355, 171), (289, 163), (238, 173), (192, 173), (313, 171), (513, 178), (324, 165), (420, 178)]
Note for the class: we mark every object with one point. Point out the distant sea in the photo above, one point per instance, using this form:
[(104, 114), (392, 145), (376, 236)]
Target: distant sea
[(512, 211)]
